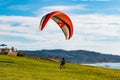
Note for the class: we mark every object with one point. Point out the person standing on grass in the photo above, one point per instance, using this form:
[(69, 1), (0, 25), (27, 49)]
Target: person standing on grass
[(62, 63)]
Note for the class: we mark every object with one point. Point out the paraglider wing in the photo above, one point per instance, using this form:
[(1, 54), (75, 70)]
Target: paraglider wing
[(61, 19)]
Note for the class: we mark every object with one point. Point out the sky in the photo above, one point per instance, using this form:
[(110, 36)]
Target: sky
[(96, 25)]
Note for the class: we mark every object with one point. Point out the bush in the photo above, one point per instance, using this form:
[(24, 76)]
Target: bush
[(21, 54)]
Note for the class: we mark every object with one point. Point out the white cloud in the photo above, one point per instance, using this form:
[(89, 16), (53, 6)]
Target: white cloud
[(97, 24), (27, 27), (89, 30), (20, 7), (63, 8)]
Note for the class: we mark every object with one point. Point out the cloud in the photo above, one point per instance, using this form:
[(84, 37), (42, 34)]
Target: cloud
[(64, 8), (26, 27), (96, 32), (97, 24), (20, 7)]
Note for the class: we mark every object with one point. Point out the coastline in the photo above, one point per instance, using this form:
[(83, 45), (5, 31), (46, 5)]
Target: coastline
[(113, 65)]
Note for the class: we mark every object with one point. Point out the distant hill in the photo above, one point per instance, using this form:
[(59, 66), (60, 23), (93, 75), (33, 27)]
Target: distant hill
[(75, 56)]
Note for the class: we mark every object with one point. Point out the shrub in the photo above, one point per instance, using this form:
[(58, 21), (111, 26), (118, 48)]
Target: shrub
[(21, 54)]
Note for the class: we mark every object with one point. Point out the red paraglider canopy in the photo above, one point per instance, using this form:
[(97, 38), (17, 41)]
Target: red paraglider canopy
[(61, 19)]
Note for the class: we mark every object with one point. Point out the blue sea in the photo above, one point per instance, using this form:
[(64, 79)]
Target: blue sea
[(107, 65)]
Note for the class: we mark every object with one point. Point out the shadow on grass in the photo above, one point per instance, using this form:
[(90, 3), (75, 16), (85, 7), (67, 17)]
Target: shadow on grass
[(6, 61)]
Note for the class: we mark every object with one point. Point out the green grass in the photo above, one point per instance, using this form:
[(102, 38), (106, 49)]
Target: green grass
[(23, 68)]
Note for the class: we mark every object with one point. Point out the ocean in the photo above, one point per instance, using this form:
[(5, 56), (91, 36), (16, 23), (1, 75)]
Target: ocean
[(107, 65)]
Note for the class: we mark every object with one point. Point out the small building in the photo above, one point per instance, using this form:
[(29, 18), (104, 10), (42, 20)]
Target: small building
[(9, 51), (12, 53)]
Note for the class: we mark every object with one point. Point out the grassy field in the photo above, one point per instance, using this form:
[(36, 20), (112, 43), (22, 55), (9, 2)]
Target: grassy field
[(23, 68)]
